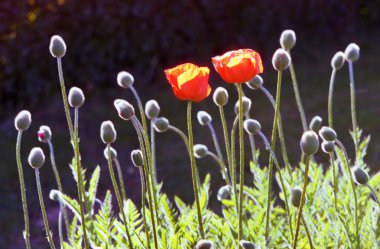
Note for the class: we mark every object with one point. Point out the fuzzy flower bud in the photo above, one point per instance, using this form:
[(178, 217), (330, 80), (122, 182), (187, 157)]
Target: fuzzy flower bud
[(295, 196), (246, 106), (124, 109), (315, 123), (161, 124), (361, 176), (224, 193), (220, 96), (107, 132), (328, 146), (255, 83), (247, 244), (44, 134), (36, 158), (76, 97), (23, 120), (288, 39), (352, 52), (252, 126), (54, 195), (112, 151), (125, 79), (200, 150), (152, 109), (57, 46), (204, 244), (327, 133), (281, 59), (337, 60), (137, 158), (204, 118), (309, 143)]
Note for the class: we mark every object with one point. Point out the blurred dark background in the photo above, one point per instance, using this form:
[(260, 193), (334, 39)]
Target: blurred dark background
[(145, 37)]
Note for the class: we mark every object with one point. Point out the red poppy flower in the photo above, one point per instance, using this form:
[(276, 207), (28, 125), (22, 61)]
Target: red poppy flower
[(238, 66), (189, 82)]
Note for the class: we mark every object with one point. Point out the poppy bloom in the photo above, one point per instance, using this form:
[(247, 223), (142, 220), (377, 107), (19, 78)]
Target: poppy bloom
[(189, 82), (238, 66)]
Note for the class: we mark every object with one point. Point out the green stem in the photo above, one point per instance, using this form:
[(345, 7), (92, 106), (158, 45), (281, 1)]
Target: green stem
[(307, 233), (353, 107), (23, 192), (153, 149), (226, 140), (181, 134), (335, 182), (241, 148), (118, 197), (222, 166), (303, 196), (143, 196), (373, 194), (141, 108), (330, 99), (273, 146), (193, 169), (43, 210), (233, 161), (121, 181), (60, 233)]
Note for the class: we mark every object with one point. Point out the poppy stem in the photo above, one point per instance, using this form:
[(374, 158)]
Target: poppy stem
[(222, 166), (153, 150), (143, 196), (233, 161), (353, 107), (307, 233), (373, 194), (193, 169), (181, 134), (241, 148), (60, 232), (335, 182), (121, 180), (330, 99), (141, 109)]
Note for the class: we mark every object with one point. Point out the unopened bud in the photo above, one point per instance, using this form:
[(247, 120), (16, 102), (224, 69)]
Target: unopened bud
[(124, 109), (281, 59), (54, 195), (288, 39), (44, 134), (295, 196), (309, 142), (137, 158), (23, 120), (125, 79), (36, 158), (107, 132), (152, 109), (200, 150), (161, 124), (327, 133), (76, 97), (337, 61), (220, 96), (328, 146), (204, 118), (252, 126), (57, 46), (315, 124), (246, 106), (247, 244), (360, 175), (256, 82), (224, 193), (204, 244), (352, 52), (113, 153)]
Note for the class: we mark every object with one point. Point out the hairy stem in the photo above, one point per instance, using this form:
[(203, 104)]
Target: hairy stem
[(330, 99), (241, 148), (373, 194), (353, 107), (143, 196), (335, 182), (233, 161), (121, 180), (153, 149), (307, 233)]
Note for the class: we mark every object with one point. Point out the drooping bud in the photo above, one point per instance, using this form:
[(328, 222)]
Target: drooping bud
[(23, 120), (281, 59), (125, 79), (57, 46), (112, 151), (204, 244), (124, 109), (200, 150), (137, 158), (328, 146), (247, 244), (36, 158), (54, 195), (256, 82), (360, 175), (288, 39), (220, 96), (107, 132), (327, 133), (204, 118), (44, 134), (309, 143), (161, 124), (337, 60), (295, 196), (246, 106), (224, 193), (76, 97), (315, 124), (252, 126), (352, 52), (152, 109)]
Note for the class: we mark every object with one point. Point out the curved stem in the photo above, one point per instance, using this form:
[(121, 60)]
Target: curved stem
[(153, 149), (305, 181), (335, 182), (222, 166), (121, 181), (353, 107), (43, 210), (141, 108), (143, 196), (307, 233), (330, 99), (273, 146), (226, 140), (233, 161), (373, 194), (241, 148), (118, 197), (23, 192), (181, 134), (193, 169), (60, 232)]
